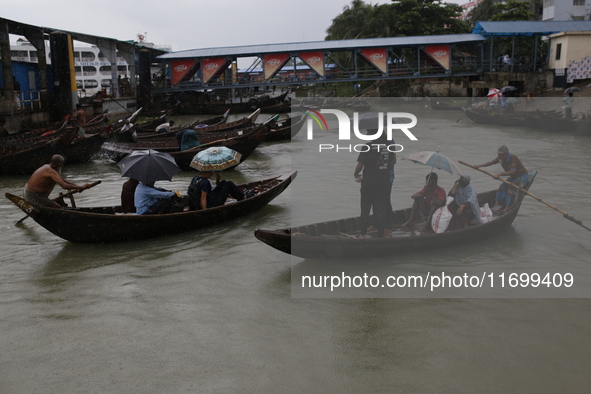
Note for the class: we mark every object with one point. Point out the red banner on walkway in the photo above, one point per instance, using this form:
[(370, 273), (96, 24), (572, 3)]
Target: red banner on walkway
[(211, 67), (315, 60), (439, 53), (180, 69), (378, 57), (273, 63)]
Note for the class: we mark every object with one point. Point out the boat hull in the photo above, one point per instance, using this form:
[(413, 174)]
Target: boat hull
[(105, 225), (336, 240)]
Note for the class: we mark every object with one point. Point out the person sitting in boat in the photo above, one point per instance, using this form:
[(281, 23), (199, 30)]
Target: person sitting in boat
[(426, 202), (44, 179), (204, 194), (165, 127), (517, 173), (128, 196), (189, 140), (464, 207), (151, 200)]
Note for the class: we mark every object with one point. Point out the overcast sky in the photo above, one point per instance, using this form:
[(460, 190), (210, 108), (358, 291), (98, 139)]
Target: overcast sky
[(186, 24)]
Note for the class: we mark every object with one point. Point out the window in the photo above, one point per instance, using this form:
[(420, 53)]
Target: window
[(578, 2), (90, 83), (558, 50), (88, 56)]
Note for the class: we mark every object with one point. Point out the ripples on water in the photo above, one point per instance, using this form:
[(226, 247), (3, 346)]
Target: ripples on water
[(210, 310)]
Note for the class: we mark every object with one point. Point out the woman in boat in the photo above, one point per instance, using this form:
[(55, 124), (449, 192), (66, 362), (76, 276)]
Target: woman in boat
[(517, 174), (464, 207), (426, 202), (189, 140)]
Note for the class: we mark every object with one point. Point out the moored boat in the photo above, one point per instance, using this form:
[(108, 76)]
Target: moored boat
[(338, 238), (285, 129), (221, 126), (108, 224), (244, 144)]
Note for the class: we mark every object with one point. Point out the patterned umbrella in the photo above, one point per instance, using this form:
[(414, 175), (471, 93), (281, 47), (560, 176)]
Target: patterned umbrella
[(148, 166), (435, 159), (215, 159), (494, 95)]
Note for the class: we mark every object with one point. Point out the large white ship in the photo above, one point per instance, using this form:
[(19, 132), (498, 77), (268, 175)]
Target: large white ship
[(93, 70)]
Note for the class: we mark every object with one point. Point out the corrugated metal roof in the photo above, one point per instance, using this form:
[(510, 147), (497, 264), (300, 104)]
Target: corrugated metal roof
[(529, 28), (254, 50)]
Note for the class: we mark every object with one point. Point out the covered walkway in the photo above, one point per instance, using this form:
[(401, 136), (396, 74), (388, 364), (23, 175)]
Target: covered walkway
[(321, 62)]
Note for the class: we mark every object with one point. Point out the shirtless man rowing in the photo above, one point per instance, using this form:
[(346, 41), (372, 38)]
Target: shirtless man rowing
[(44, 179)]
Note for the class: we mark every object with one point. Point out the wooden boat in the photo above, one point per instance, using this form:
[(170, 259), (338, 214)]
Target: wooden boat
[(338, 238), (210, 136), (285, 129), (83, 149), (244, 144), (107, 224), (223, 126), (26, 158), (252, 104), (555, 121)]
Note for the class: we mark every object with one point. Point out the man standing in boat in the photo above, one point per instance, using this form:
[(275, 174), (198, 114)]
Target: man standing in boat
[(80, 119), (377, 163), (44, 179), (568, 108), (517, 174)]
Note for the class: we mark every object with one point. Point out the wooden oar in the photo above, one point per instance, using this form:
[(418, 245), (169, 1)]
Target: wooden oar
[(67, 194), (564, 214)]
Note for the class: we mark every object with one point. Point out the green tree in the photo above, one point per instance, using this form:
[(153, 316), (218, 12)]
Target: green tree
[(482, 12), (400, 18), (512, 10)]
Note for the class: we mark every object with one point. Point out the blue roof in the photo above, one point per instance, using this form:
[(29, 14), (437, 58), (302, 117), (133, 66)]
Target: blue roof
[(255, 50), (529, 28)]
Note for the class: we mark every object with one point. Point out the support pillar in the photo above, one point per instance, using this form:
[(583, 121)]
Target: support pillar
[(37, 40), (62, 61), (145, 77), (8, 102)]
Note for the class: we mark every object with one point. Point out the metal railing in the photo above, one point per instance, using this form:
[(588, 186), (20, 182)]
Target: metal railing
[(28, 100)]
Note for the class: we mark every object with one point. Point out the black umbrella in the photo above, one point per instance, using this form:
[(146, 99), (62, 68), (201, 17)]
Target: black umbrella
[(148, 166), (507, 89), (573, 89)]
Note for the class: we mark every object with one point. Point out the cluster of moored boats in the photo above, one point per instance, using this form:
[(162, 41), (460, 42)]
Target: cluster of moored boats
[(23, 153)]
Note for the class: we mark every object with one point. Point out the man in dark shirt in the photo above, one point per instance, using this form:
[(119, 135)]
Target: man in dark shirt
[(376, 163), (517, 174), (128, 196)]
